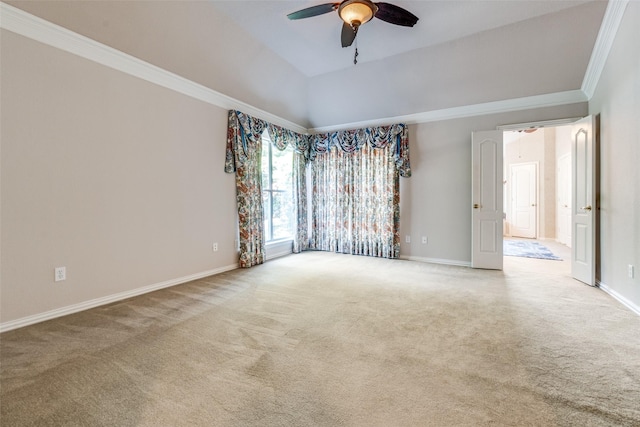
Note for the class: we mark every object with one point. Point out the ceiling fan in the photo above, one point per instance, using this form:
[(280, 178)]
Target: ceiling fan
[(357, 12)]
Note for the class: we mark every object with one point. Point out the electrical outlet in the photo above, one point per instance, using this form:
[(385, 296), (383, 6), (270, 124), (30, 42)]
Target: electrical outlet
[(60, 274), (631, 272), (215, 247), (407, 239), (424, 240)]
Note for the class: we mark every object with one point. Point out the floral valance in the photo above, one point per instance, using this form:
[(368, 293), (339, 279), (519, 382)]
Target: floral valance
[(377, 137), (243, 128)]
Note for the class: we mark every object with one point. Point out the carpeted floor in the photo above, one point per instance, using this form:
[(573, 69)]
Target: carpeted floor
[(321, 339)]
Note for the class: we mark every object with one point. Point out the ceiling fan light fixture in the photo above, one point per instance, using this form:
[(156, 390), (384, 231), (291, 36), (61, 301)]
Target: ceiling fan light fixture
[(357, 12)]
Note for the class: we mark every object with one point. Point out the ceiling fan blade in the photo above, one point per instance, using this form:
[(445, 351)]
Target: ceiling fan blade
[(395, 15), (314, 11), (348, 34)]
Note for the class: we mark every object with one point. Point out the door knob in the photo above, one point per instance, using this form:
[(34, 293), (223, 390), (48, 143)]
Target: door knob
[(533, 204), (476, 206), (586, 208)]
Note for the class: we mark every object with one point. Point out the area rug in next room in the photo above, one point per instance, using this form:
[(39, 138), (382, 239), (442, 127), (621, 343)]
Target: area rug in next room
[(527, 249)]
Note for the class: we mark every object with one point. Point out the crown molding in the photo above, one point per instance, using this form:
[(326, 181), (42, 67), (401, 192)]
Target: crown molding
[(608, 30), (35, 28), (515, 104)]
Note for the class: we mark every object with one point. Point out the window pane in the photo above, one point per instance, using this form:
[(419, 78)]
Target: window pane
[(281, 168), (266, 145), (277, 190), (266, 203), (282, 215)]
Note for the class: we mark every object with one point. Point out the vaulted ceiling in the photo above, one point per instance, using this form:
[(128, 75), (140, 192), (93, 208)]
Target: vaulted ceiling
[(460, 53), (312, 45)]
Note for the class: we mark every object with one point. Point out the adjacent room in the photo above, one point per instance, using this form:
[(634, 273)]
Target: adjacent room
[(297, 213), (537, 194)]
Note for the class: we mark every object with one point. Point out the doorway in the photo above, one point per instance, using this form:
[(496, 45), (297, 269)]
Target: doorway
[(537, 196), (489, 221)]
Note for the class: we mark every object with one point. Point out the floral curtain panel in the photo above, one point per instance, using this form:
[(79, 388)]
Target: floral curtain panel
[(301, 237), (355, 195), (243, 157), (244, 154)]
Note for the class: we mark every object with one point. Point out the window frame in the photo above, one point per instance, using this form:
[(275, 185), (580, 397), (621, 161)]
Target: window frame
[(268, 188)]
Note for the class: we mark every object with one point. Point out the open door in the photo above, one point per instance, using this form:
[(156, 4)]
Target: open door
[(486, 192), (583, 201)]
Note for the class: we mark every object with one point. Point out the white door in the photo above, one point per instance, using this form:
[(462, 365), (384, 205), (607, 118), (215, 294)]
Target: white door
[(583, 201), (563, 207), (486, 204), (524, 195)]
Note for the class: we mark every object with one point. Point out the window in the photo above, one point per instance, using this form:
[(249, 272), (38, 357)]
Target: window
[(277, 190)]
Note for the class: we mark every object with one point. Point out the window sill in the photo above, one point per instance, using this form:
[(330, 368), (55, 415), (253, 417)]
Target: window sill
[(279, 242), (278, 248)]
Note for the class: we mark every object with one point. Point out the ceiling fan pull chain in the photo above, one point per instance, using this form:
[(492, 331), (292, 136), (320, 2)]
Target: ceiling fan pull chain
[(355, 56)]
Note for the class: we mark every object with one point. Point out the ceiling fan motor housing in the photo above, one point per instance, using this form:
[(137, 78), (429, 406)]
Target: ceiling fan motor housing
[(357, 12)]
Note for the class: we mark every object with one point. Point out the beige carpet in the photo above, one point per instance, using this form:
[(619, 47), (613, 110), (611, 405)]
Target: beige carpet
[(321, 339)]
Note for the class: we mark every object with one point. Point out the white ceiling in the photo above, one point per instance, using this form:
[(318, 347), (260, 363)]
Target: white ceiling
[(312, 45)]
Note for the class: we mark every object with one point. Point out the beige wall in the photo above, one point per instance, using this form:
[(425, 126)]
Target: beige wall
[(617, 100), (563, 141), (192, 39), (563, 148), (548, 196), (117, 179)]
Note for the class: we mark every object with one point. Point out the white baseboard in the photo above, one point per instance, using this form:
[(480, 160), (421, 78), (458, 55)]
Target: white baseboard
[(437, 260), (624, 301), (75, 308), (278, 254)]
